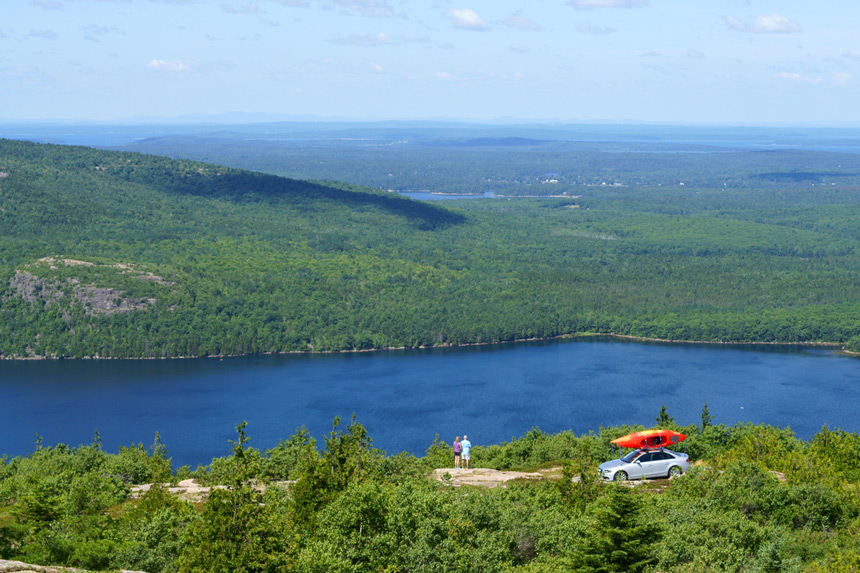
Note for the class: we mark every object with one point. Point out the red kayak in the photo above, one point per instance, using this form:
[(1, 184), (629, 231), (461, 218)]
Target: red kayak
[(649, 439)]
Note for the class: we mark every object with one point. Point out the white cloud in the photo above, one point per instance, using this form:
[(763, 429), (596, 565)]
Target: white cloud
[(44, 34), (466, 19), (49, 4), (843, 79), (593, 29), (247, 8), (372, 8), (171, 65), (93, 33), (328, 63), (365, 40), (448, 77), (799, 78), (520, 49), (520, 22), (590, 4), (375, 67), (380, 39), (852, 55), (764, 24)]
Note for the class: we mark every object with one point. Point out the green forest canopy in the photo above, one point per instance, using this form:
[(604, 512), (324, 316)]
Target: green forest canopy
[(757, 499), (118, 254)]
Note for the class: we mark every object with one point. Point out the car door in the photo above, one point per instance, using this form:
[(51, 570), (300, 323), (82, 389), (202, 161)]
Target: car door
[(640, 466), (659, 464)]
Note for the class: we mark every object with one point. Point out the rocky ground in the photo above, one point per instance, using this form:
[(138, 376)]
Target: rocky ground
[(188, 490), (490, 478), (18, 567)]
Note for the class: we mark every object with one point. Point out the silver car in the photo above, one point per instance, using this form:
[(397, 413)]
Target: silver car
[(645, 464)]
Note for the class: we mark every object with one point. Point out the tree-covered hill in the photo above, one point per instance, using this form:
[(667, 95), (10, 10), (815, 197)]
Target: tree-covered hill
[(117, 254)]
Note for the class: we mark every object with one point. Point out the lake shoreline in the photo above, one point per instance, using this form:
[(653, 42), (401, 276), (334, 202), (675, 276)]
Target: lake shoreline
[(837, 347)]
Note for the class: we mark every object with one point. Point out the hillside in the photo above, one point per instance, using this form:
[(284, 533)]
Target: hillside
[(756, 499), (116, 254)]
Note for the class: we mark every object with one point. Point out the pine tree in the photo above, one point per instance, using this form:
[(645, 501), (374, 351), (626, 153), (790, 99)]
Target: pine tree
[(707, 419), (621, 542), (664, 419)]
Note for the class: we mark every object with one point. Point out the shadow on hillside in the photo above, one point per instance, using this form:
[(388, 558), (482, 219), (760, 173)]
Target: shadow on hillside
[(251, 187)]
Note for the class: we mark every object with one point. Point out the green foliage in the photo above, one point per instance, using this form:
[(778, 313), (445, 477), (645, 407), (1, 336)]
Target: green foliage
[(440, 454), (707, 418), (348, 458), (282, 461), (121, 255), (237, 532), (152, 531), (135, 464), (663, 419), (620, 540), (352, 508)]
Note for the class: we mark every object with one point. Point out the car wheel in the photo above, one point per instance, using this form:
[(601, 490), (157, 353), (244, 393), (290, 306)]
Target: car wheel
[(675, 471), (620, 476)]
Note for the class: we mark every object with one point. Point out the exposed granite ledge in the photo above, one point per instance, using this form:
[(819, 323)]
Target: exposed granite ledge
[(19, 567)]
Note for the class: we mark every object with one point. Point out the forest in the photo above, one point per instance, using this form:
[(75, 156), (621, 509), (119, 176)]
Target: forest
[(526, 160), (123, 255), (757, 499)]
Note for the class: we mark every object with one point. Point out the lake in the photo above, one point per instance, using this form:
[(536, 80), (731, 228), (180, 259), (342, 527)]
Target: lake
[(405, 397)]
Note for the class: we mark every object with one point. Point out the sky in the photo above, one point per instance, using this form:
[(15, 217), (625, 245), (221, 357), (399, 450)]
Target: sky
[(735, 62)]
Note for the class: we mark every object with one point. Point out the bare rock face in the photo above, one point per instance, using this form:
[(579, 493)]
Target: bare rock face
[(96, 300), (19, 567), (31, 288), (484, 476)]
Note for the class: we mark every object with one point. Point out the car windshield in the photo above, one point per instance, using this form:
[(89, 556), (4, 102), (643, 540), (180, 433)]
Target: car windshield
[(631, 456)]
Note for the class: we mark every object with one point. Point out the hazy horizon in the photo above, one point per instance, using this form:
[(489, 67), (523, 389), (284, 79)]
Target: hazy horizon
[(665, 62)]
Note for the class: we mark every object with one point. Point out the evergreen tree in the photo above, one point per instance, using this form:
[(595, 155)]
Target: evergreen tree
[(663, 419), (621, 540), (237, 531), (707, 418)]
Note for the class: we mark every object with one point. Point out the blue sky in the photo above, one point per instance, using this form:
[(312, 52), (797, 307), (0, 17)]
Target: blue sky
[(661, 61)]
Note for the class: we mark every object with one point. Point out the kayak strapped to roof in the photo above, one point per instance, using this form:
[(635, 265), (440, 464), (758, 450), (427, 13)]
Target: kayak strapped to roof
[(649, 439)]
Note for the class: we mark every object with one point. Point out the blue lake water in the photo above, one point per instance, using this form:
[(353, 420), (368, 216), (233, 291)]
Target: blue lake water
[(404, 398), (430, 196)]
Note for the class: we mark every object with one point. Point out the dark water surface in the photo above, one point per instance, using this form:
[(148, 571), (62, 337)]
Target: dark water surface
[(404, 398)]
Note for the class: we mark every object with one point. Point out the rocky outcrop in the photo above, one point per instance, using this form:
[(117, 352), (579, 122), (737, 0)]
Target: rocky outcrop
[(31, 288), (95, 300), (190, 490), (486, 477), (19, 567)]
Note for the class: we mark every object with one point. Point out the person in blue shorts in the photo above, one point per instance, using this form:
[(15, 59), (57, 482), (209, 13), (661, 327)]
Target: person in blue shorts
[(466, 445)]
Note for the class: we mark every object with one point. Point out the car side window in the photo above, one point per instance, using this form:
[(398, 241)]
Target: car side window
[(662, 456), (646, 457)]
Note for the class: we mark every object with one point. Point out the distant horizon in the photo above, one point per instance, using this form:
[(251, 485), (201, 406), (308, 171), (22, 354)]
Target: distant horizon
[(261, 118)]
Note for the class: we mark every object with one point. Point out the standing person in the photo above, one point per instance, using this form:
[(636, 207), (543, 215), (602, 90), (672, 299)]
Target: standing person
[(466, 445), (457, 450)]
